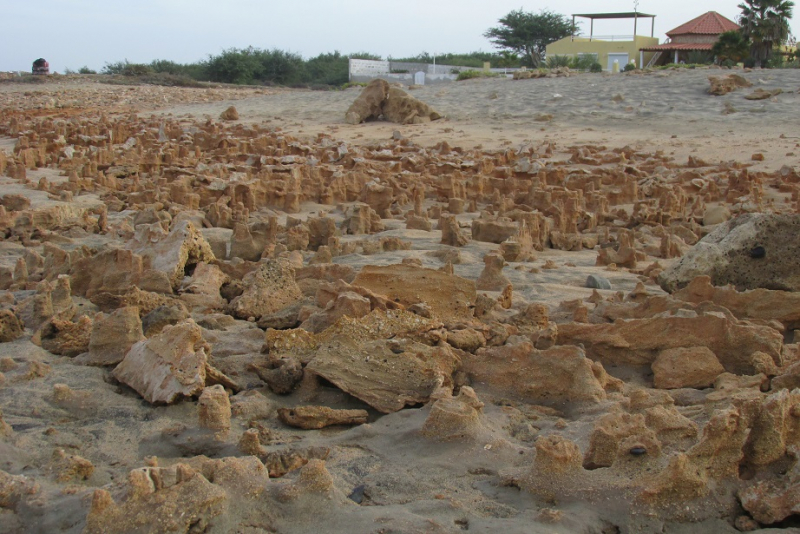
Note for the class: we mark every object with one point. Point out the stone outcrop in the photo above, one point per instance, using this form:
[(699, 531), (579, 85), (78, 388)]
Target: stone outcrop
[(751, 251), (722, 85), (267, 289), (693, 367), (170, 365), (314, 417), (177, 496), (173, 252), (448, 296), (112, 336), (639, 341), (387, 375), (381, 100), (492, 277), (552, 375), (454, 418)]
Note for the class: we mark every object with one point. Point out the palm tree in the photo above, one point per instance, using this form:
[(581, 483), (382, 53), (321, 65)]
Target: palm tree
[(766, 24), (731, 45)]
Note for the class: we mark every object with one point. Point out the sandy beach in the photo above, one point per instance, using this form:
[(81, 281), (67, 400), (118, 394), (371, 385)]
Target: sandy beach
[(461, 325)]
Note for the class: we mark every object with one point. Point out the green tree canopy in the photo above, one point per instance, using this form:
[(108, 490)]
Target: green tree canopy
[(731, 45), (765, 23), (528, 34)]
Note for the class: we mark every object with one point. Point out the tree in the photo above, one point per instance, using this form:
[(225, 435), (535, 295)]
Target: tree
[(766, 24), (731, 45), (528, 34)]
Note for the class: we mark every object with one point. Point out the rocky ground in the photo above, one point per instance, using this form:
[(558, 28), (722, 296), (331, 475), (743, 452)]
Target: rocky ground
[(283, 322)]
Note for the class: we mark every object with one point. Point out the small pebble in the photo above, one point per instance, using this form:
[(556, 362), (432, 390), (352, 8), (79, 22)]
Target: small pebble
[(638, 451), (758, 252)]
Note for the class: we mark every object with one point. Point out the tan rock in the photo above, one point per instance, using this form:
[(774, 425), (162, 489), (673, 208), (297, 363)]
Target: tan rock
[(10, 326), (449, 297), (172, 253), (229, 114), (776, 428), (721, 85), (492, 277), (348, 303), (772, 501), (522, 372), (157, 496), (764, 304), (268, 289), (112, 336), (680, 481), (314, 417), (612, 432), (65, 338), (167, 366), (451, 233), (637, 341), (214, 408), (111, 271), (402, 108), (691, 367), (387, 375), (369, 103), (454, 418)]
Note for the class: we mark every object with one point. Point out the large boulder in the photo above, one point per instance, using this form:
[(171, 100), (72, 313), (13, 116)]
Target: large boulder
[(756, 250), (386, 374), (172, 253), (741, 348), (169, 365), (268, 289), (369, 102), (402, 108), (524, 373), (379, 99), (113, 336)]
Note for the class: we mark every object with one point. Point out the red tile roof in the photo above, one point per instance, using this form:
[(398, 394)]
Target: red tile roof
[(711, 23), (677, 46)]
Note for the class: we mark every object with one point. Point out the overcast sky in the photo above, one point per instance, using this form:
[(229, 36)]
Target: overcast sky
[(74, 33)]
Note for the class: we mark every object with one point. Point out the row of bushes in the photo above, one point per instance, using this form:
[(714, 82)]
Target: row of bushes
[(584, 63), (253, 66)]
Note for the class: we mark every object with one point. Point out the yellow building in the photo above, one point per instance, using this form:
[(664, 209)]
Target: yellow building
[(622, 49)]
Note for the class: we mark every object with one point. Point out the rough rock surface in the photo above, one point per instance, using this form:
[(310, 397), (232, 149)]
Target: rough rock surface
[(312, 417), (751, 251), (639, 341), (267, 289), (167, 366), (172, 253), (694, 367), (113, 336), (448, 296), (522, 372), (379, 99)]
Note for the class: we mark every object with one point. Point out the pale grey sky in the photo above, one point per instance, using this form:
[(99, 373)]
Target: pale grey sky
[(74, 33)]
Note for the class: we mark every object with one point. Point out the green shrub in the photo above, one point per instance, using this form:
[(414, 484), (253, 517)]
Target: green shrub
[(596, 67), (749, 63), (126, 68), (583, 62), (698, 57), (469, 74), (86, 70), (554, 62), (629, 67), (474, 73)]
